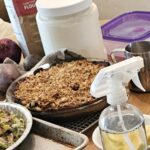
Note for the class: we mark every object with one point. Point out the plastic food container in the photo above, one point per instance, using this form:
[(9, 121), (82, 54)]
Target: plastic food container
[(70, 24), (126, 28)]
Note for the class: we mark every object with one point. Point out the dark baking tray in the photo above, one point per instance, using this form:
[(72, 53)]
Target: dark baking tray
[(60, 57), (48, 136)]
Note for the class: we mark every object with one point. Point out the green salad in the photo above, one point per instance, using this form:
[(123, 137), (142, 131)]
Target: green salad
[(11, 128)]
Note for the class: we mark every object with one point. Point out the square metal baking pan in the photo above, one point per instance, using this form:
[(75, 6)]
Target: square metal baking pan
[(48, 136)]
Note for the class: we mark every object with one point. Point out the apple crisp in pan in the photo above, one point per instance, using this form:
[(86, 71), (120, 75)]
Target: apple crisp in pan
[(63, 86)]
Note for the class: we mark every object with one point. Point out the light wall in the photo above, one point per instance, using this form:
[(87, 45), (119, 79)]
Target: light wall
[(111, 8)]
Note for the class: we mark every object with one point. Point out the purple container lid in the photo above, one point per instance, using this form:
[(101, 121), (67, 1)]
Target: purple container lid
[(128, 27)]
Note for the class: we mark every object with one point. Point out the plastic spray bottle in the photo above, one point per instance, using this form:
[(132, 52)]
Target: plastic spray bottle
[(121, 124)]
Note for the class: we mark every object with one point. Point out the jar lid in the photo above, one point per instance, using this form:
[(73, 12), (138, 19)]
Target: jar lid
[(128, 27), (55, 8)]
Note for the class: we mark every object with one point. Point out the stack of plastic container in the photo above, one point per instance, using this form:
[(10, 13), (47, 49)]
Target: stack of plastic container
[(126, 28)]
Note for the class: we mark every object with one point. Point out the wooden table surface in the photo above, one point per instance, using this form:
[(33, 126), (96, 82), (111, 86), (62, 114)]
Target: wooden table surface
[(140, 100)]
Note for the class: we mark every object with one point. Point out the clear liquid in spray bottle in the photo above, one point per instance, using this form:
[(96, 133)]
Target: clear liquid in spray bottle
[(121, 124)]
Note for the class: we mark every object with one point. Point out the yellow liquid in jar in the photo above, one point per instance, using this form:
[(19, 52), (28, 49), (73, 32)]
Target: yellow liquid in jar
[(115, 141)]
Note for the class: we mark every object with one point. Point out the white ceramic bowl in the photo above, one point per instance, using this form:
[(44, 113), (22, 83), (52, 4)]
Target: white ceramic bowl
[(23, 113), (97, 138)]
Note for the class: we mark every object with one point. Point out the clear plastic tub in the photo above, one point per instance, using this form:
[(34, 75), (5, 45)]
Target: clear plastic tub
[(126, 28)]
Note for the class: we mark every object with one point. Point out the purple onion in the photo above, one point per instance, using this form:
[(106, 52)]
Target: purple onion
[(9, 48)]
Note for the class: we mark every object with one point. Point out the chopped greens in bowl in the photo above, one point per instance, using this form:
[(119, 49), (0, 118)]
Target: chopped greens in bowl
[(15, 125), (11, 128)]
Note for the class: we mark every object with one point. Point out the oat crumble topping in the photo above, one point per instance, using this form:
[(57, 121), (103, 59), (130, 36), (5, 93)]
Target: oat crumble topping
[(62, 86)]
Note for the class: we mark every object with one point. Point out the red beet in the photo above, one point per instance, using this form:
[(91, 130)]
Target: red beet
[(9, 48)]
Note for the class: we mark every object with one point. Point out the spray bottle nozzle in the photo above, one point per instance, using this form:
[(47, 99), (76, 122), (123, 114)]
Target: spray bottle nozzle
[(109, 81)]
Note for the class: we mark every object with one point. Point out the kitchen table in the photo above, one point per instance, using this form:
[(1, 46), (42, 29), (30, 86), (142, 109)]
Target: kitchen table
[(140, 100)]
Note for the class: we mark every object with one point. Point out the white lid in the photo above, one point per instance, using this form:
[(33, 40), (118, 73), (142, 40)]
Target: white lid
[(61, 7)]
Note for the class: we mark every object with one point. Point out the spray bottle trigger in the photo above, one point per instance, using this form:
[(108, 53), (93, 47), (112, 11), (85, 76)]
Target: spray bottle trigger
[(137, 82)]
